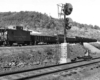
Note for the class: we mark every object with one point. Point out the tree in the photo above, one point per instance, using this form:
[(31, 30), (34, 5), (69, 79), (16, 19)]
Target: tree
[(96, 27)]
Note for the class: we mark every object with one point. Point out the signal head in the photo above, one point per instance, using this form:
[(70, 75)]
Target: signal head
[(67, 9), (68, 20), (68, 23)]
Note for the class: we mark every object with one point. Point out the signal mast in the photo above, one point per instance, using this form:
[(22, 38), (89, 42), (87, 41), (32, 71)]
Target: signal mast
[(67, 10)]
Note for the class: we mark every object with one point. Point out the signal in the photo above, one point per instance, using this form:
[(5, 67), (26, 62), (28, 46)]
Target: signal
[(67, 9), (68, 23), (68, 27)]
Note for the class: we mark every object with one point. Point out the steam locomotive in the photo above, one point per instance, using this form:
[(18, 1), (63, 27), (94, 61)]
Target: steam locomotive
[(20, 36)]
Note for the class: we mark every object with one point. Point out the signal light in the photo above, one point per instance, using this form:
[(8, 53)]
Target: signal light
[(68, 23), (67, 9), (67, 26), (68, 20)]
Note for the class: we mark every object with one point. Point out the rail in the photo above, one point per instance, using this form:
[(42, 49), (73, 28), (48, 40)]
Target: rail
[(51, 69)]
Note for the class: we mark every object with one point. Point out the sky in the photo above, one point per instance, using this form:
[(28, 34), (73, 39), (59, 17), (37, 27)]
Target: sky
[(84, 11)]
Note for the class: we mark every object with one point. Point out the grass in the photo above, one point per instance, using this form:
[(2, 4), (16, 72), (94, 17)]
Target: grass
[(24, 57)]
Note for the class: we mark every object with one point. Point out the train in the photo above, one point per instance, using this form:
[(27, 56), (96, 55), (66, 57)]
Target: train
[(19, 36)]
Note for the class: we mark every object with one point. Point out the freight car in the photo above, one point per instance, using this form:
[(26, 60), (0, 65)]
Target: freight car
[(75, 39), (20, 36), (45, 39), (24, 37), (16, 35), (54, 39)]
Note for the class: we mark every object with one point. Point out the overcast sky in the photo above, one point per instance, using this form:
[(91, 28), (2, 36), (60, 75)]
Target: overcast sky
[(84, 11)]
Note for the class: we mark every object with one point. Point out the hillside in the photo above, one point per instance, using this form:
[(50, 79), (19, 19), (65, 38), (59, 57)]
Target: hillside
[(46, 24), (27, 19)]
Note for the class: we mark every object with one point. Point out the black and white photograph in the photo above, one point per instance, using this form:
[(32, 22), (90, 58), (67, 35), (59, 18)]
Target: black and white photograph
[(49, 40)]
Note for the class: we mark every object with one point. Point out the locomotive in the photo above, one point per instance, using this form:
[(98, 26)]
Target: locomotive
[(24, 37)]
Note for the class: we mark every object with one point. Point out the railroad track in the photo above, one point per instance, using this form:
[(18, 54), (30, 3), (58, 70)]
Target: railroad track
[(43, 71)]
